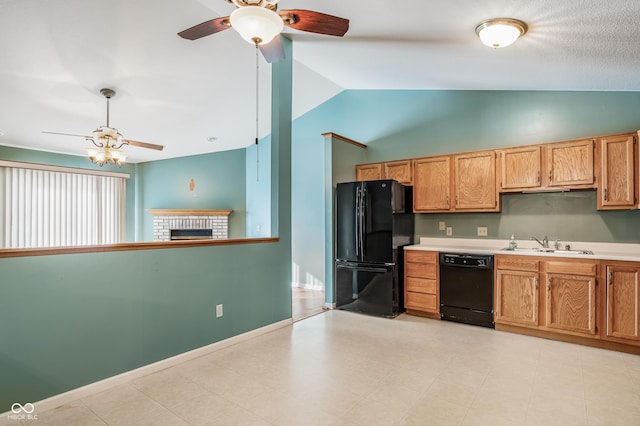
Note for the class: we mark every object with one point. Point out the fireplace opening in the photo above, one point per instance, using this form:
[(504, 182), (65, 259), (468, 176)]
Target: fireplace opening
[(191, 234)]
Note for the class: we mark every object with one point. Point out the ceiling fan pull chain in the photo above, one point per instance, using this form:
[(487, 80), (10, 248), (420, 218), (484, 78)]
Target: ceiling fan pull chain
[(257, 113)]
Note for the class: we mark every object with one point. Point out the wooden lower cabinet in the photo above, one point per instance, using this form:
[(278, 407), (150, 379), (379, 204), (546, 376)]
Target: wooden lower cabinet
[(421, 283), (516, 291), (623, 302), (571, 303)]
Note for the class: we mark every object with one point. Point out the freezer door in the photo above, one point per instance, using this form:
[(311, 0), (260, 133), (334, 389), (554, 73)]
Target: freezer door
[(367, 289)]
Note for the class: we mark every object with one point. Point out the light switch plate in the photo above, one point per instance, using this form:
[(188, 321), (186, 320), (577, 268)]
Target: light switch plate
[(449, 231), (442, 225)]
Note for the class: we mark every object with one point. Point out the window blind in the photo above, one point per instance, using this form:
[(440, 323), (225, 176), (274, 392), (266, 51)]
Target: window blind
[(43, 208)]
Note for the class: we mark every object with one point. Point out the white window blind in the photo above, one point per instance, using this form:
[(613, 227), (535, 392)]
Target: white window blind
[(42, 208)]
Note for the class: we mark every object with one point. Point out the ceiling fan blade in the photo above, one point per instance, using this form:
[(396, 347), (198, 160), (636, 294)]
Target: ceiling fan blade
[(315, 22), (143, 144), (272, 51), (206, 28), (65, 134)]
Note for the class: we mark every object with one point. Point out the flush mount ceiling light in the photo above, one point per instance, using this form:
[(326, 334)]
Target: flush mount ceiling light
[(500, 32), (257, 25)]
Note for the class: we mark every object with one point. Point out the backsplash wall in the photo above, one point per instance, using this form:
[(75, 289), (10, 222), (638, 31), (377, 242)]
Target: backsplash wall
[(567, 216)]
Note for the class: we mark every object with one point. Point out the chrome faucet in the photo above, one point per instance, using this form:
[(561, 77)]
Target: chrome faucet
[(544, 243)]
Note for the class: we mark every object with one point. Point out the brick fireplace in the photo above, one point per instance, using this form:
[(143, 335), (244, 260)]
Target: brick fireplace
[(189, 224)]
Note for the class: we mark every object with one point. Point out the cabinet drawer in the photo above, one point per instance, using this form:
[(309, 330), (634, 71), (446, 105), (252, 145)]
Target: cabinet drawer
[(421, 285), (421, 256), (421, 302), (422, 270), (517, 263), (573, 268)]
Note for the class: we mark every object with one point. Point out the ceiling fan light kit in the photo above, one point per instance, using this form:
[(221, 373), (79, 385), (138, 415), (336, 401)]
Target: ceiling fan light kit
[(500, 32), (107, 141), (259, 22), (257, 25)]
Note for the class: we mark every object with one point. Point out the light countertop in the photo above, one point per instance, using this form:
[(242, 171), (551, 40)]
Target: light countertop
[(601, 251)]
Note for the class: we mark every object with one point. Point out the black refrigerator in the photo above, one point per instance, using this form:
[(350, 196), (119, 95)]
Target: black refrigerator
[(374, 220)]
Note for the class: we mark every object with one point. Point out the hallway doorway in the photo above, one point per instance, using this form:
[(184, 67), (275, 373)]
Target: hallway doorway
[(306, 302)]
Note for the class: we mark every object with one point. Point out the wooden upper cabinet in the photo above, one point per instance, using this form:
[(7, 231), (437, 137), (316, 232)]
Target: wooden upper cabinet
[(368, 171), (402, 171), (520, 168), (475, 181), (571, 297), (570, 164), (623, 302), (616, 183), (432, 184)]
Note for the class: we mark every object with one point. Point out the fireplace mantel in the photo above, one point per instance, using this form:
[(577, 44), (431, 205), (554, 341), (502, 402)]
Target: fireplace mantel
[(187, 212)]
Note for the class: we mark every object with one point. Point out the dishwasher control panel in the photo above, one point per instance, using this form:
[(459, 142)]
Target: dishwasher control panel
[(466, 259)]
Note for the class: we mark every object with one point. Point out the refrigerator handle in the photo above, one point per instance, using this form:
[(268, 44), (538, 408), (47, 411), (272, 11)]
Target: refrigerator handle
[(357, 214), (363, 218)]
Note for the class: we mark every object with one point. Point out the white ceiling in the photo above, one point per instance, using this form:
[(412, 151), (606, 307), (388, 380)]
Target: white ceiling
[(56, 55)]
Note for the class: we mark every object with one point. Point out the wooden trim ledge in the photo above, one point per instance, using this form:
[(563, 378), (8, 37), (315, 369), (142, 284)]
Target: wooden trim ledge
[(186, 212), (47, 251), (344, 139)]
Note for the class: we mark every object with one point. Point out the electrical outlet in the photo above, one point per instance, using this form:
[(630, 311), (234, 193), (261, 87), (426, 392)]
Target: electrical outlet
[(482, 231), (449, 231), (442, 225), (219, 311)]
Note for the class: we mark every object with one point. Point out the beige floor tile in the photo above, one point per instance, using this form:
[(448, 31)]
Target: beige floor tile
[(606, 415), (436, 411), (548, 417), (72, 414), (125, 405)]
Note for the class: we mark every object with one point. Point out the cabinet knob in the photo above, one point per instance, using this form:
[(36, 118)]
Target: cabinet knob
[(605, 194)]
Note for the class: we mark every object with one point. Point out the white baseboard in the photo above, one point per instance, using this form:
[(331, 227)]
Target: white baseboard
[(330, 305), (93, 388)]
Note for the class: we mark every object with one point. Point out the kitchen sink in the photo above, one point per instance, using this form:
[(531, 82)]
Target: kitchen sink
[(548, 250)]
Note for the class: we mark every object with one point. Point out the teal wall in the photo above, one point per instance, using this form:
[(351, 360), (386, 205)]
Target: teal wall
[(42, 157), (70, 320), (258, 167), (219, 185), (398, 124)]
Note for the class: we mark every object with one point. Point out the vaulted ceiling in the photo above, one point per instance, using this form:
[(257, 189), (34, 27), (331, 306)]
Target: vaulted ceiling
[(57, 55)]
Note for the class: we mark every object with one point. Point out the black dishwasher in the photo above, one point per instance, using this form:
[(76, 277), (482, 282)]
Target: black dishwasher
[(466, 288)]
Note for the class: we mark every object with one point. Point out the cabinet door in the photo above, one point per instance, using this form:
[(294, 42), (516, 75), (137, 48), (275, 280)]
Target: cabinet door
[(570, 163), (517, 297), (623, 302), (616, 188), (520, 168), (402, 171), (571, 303), (368, 172), (431, 184), (475, 181)]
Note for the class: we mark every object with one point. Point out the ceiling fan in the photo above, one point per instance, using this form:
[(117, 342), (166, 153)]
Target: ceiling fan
[(108, 140), (259, 22)]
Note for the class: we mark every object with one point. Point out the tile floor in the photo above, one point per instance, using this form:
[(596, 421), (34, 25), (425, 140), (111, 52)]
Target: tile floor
[(341, 368)]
